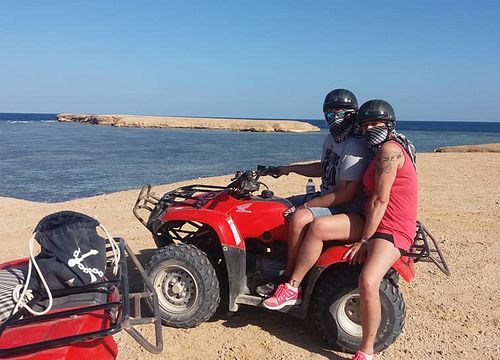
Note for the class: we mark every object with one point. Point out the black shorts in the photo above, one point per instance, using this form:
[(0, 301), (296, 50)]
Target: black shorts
[(388, 237)]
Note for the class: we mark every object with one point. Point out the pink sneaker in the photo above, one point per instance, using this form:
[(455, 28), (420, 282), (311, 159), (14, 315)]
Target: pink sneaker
[(362, 356), (284, 295)]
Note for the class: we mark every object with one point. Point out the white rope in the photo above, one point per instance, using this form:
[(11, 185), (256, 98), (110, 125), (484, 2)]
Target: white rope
[(26, 295), (22, 295), (114, 248)]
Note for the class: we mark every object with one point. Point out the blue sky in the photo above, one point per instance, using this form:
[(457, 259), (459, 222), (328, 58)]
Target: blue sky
[(432, 60)]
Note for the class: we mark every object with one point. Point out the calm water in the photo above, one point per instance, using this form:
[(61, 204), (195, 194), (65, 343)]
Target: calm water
[(43, 160)]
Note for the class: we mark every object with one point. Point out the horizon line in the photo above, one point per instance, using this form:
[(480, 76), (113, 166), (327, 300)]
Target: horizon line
[(233, 117)]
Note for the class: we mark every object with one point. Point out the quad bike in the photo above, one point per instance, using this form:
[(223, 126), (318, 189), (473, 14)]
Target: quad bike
[(82, 320), (216, 244)]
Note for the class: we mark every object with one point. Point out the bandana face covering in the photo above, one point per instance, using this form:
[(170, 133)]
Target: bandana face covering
[(375, 136), (340, 123)]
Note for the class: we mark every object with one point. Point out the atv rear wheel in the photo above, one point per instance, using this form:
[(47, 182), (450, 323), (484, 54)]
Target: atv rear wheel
[(186, 284), (335, 310)]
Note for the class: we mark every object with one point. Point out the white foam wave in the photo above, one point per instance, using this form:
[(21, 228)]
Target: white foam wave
[(29, 121)]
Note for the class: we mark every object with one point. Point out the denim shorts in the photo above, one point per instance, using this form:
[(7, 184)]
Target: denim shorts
[(298, 200)]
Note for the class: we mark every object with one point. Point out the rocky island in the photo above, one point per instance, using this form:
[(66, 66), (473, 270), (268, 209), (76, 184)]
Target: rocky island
[(191, 123)]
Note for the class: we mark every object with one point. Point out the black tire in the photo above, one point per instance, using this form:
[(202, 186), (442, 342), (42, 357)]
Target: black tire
[(335, 311), (186, 284)]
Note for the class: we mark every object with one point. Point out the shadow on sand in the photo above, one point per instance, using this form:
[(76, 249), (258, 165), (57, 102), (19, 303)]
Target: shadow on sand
[(298, 332)]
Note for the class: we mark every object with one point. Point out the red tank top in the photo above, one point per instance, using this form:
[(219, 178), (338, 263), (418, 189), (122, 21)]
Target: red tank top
[(400, 217)]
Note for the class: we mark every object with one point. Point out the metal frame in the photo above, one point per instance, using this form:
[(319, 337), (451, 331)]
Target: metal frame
[(149, 201), (124, 320), (421, 249)]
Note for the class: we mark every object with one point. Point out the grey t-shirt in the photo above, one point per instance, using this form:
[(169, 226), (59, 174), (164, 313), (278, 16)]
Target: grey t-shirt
[(344, 161)]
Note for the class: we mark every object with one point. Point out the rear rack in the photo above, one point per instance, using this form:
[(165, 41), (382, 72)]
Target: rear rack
[(185, 195), (421, 249)]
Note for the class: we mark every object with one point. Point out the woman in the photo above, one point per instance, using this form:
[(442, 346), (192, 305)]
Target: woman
[(390, 183)]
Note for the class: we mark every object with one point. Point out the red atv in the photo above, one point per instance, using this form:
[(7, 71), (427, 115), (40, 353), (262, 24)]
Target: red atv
[(218, 243)]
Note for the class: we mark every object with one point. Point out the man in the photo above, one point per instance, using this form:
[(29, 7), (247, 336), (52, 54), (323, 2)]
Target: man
[(344, 159)]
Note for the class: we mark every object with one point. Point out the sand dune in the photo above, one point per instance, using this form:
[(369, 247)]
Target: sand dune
[(454, 317)]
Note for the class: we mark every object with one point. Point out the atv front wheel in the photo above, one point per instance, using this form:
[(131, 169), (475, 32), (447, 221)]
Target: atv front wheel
[(335, 310), (186, 284)]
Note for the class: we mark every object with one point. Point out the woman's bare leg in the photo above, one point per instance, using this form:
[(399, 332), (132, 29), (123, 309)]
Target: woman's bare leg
[(344, 227), (381, 256), (298, 228)]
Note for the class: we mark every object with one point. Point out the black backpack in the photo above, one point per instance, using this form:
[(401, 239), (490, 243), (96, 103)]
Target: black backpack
[(72, 253)]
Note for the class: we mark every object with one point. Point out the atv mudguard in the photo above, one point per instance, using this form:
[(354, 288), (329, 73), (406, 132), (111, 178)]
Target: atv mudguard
[(404, 266), (233, 246)]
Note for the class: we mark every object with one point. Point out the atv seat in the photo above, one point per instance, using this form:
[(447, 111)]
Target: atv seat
[(425, 248)]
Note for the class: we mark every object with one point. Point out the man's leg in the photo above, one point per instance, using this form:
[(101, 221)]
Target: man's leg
[(344, 227), (339, 227), (298, 228)]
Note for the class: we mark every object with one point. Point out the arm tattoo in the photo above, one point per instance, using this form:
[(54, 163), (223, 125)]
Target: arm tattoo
[(385, 160)]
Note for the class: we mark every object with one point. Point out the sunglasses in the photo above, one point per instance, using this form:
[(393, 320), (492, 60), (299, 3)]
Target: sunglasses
[(338, 114)]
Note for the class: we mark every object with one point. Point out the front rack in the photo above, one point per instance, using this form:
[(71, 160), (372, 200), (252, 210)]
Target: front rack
[(191, 195), (421, 249), (121, 306)]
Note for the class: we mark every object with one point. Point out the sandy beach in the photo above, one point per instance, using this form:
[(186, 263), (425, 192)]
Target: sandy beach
[(455, 317), (470, 148)]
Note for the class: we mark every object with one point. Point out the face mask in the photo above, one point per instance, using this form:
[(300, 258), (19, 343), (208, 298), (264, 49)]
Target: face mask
[(340, 123), (375, 136)]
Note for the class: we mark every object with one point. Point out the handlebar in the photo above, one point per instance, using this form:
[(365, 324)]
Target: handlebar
[(268, 171), (246, 182)]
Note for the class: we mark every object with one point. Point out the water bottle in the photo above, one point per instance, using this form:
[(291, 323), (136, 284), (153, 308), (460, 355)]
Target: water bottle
[(310, 187)]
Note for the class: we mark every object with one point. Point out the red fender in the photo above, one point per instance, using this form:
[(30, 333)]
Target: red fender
[(222, 223), (404, 265)]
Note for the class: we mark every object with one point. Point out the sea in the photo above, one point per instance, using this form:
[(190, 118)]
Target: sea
[(47, 161)]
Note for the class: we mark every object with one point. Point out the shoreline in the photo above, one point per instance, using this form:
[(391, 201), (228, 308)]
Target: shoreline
[(472, 150), (233, 124)]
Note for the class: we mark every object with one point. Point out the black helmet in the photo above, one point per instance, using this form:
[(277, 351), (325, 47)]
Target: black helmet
[(340, 98), (376, 110)]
